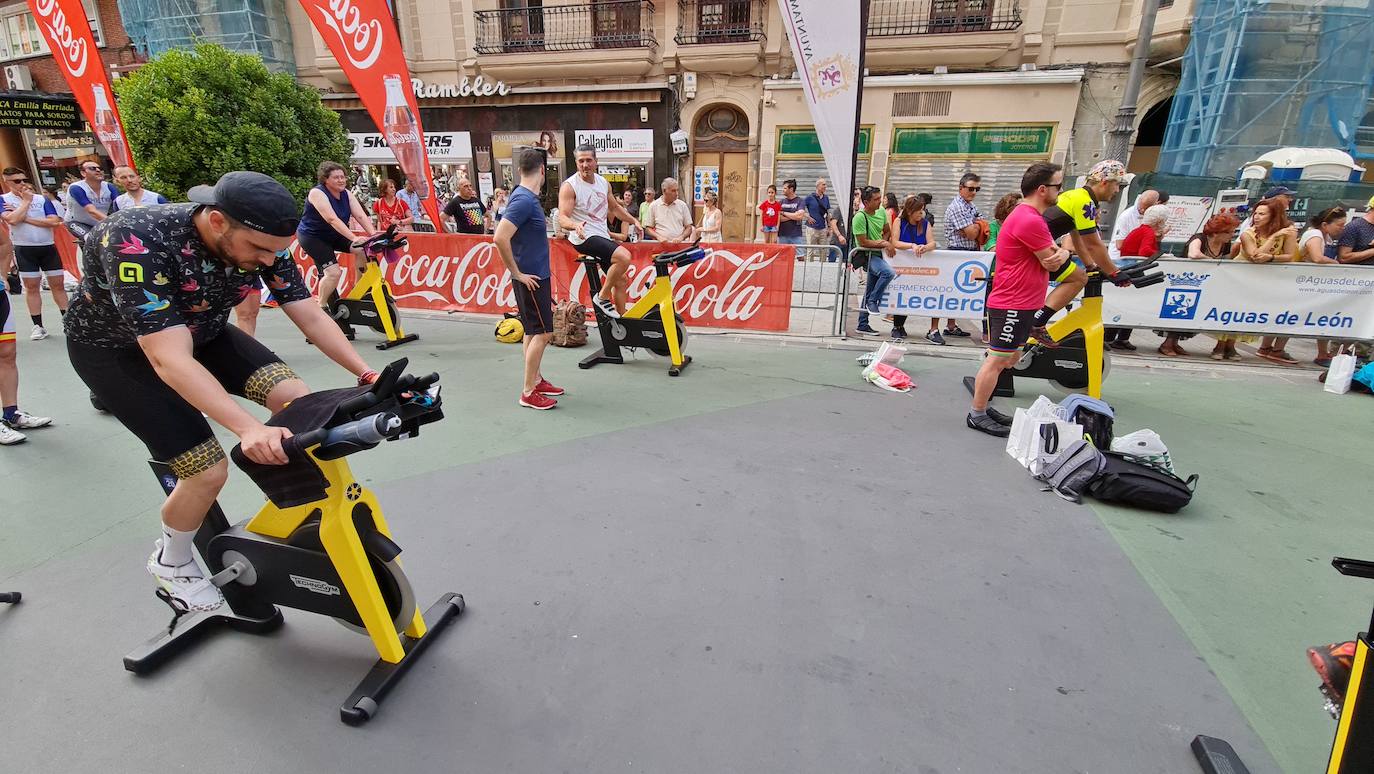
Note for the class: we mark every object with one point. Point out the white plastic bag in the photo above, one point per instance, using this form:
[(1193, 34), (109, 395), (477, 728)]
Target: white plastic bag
[(1339, 374), (892, 354), (1147, 444), (1035, 439)]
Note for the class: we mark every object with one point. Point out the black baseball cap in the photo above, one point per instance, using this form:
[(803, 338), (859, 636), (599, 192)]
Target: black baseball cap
[(1279, 190), (253, 199)]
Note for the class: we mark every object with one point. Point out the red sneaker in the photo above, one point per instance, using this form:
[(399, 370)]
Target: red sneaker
[(1333, 664), (536, 401), (544, 388)]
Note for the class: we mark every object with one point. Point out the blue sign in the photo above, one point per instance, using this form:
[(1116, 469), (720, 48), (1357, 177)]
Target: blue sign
[(970, 276), (1180, 303)]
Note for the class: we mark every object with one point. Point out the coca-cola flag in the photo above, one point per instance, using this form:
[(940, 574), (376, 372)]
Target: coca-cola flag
[(362, 37), (68, 33)]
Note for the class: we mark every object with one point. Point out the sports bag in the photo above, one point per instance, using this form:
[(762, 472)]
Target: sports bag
[(1130, 480), (1096, 417), (569, 324), (1070, 472)]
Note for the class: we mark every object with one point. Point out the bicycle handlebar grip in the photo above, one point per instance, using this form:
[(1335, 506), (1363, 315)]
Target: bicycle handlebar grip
[(1145, 282), (295, 446), (368, 430)]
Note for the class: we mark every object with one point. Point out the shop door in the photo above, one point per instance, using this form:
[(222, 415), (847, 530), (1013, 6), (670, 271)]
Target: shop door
[(720, 142)]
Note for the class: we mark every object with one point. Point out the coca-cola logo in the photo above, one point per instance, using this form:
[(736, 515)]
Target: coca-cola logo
[(62, 36), (361, 40), (401, 138)]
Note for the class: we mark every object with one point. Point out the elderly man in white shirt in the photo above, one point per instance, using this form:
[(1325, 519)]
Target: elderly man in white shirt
[(1129, 219)]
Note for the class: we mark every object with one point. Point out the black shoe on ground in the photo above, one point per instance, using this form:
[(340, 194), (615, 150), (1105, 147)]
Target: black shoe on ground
[(999, 417), (865, 330), (957, 331), (898, 334), (986, 424)]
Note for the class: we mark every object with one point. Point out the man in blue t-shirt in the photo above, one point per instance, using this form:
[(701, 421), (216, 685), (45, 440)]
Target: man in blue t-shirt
[(819, 224), (523, 242)]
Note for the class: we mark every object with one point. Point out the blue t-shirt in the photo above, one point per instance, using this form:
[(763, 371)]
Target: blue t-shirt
[(816, 209), (531, 241), (910, 234)]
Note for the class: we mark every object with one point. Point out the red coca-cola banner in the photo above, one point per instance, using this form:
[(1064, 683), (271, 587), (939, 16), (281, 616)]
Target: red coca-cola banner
[(68, 33), (362, 36), (736, 286)]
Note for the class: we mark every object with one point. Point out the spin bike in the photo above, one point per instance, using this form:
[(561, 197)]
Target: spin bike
[(642, 325), (369, 301), (1079, 363), (320, 543)]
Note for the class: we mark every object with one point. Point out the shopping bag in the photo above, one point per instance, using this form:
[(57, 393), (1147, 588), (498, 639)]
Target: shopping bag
[(1340, 372), (888, 353), (1034, 440), (1147, 445), (889, 377)]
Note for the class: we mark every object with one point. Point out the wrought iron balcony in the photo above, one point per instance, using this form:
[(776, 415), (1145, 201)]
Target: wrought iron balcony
[(529, 25), (719, 21), (889, 18)]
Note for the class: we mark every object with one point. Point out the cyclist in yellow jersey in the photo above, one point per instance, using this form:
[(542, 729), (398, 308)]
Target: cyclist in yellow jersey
[(1075, 215)]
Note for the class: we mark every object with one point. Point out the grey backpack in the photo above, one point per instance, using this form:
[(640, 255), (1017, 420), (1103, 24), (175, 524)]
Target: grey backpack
[(1069, 473)]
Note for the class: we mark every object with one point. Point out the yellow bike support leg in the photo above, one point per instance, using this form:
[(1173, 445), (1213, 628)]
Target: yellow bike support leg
[(669, 317), (1351, 750), (345, 549), (417, 627), (392, 328)]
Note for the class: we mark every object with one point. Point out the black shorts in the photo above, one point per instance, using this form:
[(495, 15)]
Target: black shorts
[(600, 248), (174, 431), (536, 307), (1008, 330), (324, 250), (37, 260)]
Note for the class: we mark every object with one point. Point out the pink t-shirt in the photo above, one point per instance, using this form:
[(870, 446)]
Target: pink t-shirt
[(1018, 279)]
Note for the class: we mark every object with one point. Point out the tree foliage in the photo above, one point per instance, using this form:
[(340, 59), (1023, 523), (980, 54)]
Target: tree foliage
[(191, 116)]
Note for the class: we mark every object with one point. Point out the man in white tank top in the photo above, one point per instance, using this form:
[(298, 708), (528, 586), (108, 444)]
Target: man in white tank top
[(584, 205)]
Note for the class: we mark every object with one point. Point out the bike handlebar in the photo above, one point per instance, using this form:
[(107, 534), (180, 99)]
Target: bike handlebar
[(684, 256)]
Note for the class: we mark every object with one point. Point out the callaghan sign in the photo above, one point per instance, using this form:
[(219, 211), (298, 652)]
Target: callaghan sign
[(468, 87)]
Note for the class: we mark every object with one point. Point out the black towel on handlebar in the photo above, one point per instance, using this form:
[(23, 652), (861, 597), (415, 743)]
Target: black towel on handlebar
[(299, 481)]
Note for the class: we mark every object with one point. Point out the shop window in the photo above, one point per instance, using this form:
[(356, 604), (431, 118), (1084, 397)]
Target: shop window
[(522, 25), (20, 36)]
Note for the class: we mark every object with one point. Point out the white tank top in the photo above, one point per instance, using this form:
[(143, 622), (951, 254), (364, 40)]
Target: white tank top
[(591, 207)]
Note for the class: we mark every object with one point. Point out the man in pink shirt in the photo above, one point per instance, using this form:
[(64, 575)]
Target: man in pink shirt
[(1026, 255)]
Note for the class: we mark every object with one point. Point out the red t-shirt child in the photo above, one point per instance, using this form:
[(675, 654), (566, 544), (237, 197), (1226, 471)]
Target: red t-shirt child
[(1019, 281), (770, 212)]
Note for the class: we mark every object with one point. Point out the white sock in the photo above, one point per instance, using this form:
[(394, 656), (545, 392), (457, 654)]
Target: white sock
[(176, 546)]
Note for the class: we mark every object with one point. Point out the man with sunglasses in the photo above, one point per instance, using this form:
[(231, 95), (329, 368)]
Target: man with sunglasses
[(31, 218), (961, 216), (92, 198), (148, 333)]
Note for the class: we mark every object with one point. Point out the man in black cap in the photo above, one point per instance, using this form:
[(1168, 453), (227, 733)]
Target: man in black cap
[(148, 332)]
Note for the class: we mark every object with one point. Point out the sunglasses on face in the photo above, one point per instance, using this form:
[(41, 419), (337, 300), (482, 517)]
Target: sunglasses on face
[(974, 188), (18, 180)]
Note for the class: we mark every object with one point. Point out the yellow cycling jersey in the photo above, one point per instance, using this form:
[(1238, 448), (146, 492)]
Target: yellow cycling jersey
[(1076, 210)]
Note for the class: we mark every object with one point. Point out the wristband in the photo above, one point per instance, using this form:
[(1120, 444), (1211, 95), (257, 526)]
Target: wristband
[(367, 377)]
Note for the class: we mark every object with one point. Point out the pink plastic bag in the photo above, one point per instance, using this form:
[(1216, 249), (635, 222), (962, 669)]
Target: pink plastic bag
[(890, 378)]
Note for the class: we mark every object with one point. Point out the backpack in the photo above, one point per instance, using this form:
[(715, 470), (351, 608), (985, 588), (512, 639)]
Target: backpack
[(1135, 481), (1073, 470), (569, 324), (1095, 416)]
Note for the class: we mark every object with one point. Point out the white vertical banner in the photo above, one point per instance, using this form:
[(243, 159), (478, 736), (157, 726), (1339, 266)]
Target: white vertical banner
[(826, 43)]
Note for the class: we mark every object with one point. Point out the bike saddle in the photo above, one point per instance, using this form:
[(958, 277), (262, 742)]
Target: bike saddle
[(684, 256)]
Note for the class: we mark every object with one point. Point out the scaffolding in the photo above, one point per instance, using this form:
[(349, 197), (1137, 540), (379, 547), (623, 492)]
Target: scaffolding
[(1265, 74), (257, 27)]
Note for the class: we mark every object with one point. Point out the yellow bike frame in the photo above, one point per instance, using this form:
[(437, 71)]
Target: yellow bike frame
[(1086, 317), (344, 546), (660, 296), (369, 286)]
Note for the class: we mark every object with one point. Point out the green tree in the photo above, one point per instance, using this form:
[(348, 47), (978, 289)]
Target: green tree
[(191, 116)]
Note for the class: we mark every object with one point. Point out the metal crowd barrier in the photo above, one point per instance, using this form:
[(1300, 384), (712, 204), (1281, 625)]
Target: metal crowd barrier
[(818, 282)]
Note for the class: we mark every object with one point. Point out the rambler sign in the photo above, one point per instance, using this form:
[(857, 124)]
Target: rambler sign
[(444, 147), (619, 144), (468, 87)]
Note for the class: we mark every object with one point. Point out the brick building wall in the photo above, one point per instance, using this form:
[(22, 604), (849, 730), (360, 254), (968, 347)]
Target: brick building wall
[(118, 50)]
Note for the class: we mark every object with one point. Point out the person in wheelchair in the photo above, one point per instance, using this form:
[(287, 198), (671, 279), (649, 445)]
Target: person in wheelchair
[(148, 333)]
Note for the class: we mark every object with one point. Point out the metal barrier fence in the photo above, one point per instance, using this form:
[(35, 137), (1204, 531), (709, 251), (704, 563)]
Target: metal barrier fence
[(818, 288)]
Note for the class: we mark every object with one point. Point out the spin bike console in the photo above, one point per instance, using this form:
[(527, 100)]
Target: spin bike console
[(320, 544)]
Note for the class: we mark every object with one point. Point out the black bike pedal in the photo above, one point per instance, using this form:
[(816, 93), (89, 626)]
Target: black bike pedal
[(1215, 756)]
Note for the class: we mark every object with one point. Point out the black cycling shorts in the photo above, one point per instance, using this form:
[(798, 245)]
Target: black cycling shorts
[(174, 431), (1008, 330), (598, 247), (324, 250), (536, 307), (36, 260)]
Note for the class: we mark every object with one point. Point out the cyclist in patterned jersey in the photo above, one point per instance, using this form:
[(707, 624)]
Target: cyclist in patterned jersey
[(148, 333), (1075, 216), (584, 206)]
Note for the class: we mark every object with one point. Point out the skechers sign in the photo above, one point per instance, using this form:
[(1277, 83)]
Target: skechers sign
[(443, 148)]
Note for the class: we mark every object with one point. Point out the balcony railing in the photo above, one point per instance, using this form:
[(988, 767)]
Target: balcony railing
[(719, 21), (933, 17), (529, 25)]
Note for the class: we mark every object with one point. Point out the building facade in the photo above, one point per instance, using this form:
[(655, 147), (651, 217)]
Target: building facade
[(43, 132)]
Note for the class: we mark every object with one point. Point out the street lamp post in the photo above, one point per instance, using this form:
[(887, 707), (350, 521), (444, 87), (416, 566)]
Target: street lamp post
[(1119, 138)]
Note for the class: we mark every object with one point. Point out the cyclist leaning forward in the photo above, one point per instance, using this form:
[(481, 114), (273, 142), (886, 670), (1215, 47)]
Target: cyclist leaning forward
[(148, 333)]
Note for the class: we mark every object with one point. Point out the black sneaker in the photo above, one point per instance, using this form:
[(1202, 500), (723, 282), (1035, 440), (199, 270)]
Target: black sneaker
[(898, 334), (957, 332), (1044, 339), (865, 330), (934, 337), (999, 417), (986, 424)]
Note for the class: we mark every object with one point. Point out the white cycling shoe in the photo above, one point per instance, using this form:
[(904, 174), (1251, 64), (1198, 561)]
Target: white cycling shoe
[(185, 583)]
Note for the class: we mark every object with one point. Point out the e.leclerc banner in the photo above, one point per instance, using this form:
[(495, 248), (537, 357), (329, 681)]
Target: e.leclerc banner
[(363, 39), (825, 42), (746, 286), (68, 33)]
